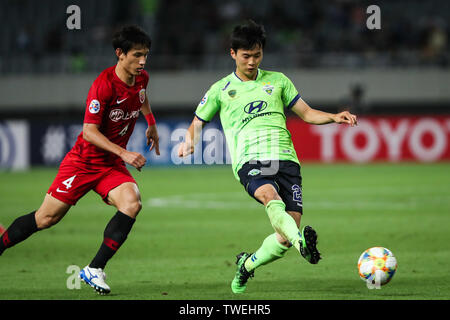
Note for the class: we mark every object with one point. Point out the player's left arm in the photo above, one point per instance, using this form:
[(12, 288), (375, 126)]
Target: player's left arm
[(151, 132), (314, 116)]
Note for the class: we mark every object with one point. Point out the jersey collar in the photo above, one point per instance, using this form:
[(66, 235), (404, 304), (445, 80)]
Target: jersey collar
[(258, 72)]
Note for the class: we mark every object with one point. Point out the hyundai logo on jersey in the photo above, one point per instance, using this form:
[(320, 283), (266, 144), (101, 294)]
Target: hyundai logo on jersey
[(255, 107)]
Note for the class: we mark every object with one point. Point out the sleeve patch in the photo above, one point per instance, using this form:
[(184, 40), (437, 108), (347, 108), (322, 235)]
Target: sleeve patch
[(94, 106), (204, 100)]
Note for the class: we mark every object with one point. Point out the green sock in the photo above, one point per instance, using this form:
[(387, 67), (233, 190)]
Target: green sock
[(269, 251), (283, 223)]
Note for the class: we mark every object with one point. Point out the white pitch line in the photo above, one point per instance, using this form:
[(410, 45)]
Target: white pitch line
[(217, 201), (240, 200)]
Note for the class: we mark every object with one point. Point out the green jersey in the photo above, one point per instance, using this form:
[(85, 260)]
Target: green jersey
[(252, 116)]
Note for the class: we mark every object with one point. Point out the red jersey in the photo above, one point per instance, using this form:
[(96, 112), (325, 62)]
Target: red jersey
[(115, 107)]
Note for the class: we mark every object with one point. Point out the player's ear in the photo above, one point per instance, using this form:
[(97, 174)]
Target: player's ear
[(119, 52), (233, 53)]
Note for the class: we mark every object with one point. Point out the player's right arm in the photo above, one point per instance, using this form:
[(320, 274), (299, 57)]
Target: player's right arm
[(92, 134), (206, 109), (193, 135)]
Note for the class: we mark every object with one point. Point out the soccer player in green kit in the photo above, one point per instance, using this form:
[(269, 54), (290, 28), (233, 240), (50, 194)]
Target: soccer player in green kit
[(251, 105)]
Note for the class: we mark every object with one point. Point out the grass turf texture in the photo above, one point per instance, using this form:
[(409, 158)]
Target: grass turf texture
[(196, 219)]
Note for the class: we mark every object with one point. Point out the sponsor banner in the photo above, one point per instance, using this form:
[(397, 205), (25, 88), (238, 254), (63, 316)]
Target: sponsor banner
[(14, 146), (377, 138), (51, 141), (211, 149), (393, 138)]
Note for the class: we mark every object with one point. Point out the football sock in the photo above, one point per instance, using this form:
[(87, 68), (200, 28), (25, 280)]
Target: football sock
[(19, 230), (283, 223), (116, 232), (269, 251)]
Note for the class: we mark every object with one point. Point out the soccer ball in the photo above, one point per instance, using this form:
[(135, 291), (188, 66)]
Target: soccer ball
[(377, 265)]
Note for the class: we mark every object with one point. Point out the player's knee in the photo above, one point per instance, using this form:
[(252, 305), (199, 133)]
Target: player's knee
[(132, 208), (46, 221), (265, 195), (137, 206)]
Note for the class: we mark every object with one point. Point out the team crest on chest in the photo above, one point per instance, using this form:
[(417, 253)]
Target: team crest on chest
[(142, 95), (232, 93), (268, 88)]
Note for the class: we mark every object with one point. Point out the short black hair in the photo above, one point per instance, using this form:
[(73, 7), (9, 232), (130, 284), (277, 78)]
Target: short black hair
[(248, 35), (129, 36)]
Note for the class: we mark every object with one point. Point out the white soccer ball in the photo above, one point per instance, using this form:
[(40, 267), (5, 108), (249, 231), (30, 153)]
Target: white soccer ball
[(377, 265)]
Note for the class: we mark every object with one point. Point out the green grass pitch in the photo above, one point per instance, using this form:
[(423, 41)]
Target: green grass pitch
[(196, 219)]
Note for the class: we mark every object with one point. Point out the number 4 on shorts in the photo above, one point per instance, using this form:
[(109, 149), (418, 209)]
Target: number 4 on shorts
[(68, 182)]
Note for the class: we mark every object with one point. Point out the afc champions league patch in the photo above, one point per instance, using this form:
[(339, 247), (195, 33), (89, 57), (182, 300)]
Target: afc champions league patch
[(204, 99), (142, 95), (94, 106)]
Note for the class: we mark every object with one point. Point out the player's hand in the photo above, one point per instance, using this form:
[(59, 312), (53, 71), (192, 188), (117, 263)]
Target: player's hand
[(135, 159), (185, 149), (346, 117), (153, 138)]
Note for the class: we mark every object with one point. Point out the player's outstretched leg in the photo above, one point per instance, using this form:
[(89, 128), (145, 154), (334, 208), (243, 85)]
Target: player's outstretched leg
[(18, 231), (308, 245), (270, 250), (49, 213)]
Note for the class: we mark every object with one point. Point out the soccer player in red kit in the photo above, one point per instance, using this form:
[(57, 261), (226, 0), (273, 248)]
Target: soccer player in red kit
[(97, 160)]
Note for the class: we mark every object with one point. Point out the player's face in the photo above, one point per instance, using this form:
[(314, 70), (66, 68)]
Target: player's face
[(134, 60), (247, 61)]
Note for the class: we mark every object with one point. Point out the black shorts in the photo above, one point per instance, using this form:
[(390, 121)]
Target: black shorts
[(282, 174)]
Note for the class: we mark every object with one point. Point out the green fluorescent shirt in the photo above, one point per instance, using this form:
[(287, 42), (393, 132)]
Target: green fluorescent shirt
[(252, 116)]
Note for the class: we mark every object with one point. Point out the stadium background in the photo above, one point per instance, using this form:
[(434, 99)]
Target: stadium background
[(395, 79)]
